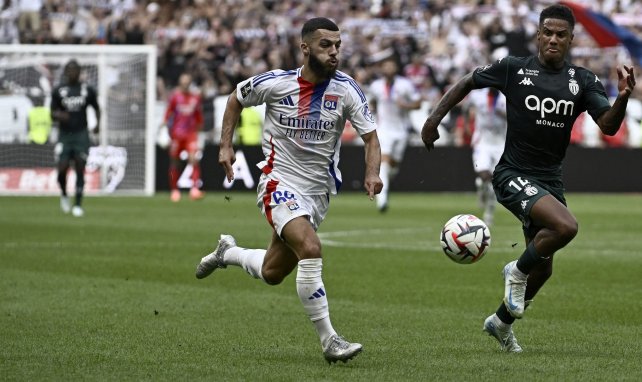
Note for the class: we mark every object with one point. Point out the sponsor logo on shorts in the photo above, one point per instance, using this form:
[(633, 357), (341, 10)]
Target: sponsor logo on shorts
[(524, 204), (292, 205)]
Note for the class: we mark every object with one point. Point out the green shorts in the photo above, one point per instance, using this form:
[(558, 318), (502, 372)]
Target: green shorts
[(72, 146), (519, 192)]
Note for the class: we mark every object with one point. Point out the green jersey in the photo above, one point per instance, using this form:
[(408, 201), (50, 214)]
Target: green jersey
[(541, 107), (74, 99)]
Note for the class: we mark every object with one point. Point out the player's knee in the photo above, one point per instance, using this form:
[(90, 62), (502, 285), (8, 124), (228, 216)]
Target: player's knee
[(567, 230), (310, 250), (272, 276)]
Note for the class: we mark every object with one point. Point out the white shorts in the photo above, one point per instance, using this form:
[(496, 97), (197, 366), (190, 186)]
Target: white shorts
[(393, 145), (280, 204), (486, 157)]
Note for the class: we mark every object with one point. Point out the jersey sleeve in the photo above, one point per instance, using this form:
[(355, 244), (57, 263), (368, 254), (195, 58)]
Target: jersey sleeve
[(56, 101), (198, 113), (410, 92), (492, 75), (92, 99), (373, 91), (358, 110), (595, 99), (171, 105), (255, 90)]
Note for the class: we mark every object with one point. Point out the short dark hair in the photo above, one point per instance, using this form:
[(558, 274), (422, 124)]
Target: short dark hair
[(72, 63), (557, 11), (318, 23)]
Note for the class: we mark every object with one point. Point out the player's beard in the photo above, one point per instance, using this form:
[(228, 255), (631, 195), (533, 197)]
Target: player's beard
[(319, 69)]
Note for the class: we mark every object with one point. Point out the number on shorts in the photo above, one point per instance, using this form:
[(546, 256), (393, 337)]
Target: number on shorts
[(280, 197), (521, 181)]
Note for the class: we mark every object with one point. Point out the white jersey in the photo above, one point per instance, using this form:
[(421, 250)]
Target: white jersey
[(490, 117), (303, 126), (391, 119)]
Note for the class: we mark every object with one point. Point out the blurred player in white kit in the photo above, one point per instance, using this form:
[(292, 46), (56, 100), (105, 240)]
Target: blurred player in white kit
[(393, 96), (488, 108)]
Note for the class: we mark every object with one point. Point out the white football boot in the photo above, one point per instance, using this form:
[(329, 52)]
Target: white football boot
[(214, 260), (77, 211), (65, 205), (336, 349), (503, 333), (514, 289)]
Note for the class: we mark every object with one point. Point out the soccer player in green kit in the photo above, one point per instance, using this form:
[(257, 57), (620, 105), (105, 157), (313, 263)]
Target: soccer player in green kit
[(545, 94), (69, 104)]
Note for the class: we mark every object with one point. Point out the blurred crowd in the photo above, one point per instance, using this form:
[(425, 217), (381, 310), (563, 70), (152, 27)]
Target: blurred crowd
[(221, 42)]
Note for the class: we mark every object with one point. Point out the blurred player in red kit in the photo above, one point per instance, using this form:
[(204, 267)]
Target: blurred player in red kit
[(184, 118)]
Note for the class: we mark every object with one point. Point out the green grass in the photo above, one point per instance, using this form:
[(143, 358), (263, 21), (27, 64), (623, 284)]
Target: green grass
[(112, 296)]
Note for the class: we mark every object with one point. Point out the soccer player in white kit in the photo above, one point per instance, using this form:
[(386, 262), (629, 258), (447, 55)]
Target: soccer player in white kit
[(488, 106), (306, 111), (393, 96)]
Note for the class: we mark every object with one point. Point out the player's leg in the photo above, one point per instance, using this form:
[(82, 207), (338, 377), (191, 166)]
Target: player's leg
[(384, 174), (483, 164), (392, 151), (175, 149), (63, 167), (537, 278), (194, 160), (386, 142), (301, 237), (80, 162), (558, 228), (61, 153), (486, 195)]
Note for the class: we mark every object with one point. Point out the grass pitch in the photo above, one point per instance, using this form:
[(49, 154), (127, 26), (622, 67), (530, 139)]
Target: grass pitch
[(112, 296)]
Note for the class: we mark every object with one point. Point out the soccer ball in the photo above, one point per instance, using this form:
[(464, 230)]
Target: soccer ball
[(465, 239)]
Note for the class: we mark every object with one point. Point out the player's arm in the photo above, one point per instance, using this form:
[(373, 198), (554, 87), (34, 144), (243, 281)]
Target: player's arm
[(226, 156), (453, 96), (198, 115), (93, 102), (169, 110), (372, 182), (411, 100), (611, 120), (58, 113)]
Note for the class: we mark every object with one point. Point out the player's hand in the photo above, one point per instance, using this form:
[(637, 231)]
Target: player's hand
[(61, 115), (429, 133), (373, 185), (625, 80), (226, 159)]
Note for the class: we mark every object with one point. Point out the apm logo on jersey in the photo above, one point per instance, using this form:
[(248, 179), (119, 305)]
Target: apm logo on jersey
[(330, 102)]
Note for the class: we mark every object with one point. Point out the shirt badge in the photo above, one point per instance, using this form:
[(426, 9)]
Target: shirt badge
[(330, 102)]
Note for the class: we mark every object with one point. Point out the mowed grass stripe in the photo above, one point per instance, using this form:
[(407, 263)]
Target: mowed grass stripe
[(113, 296)]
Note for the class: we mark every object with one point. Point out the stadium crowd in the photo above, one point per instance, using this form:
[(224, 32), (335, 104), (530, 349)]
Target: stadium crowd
[(223, 41)]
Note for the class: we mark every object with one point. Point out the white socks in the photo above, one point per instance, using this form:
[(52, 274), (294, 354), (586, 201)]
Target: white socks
[(487, 199), (249, 259), (311, 291), (384, 174)]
